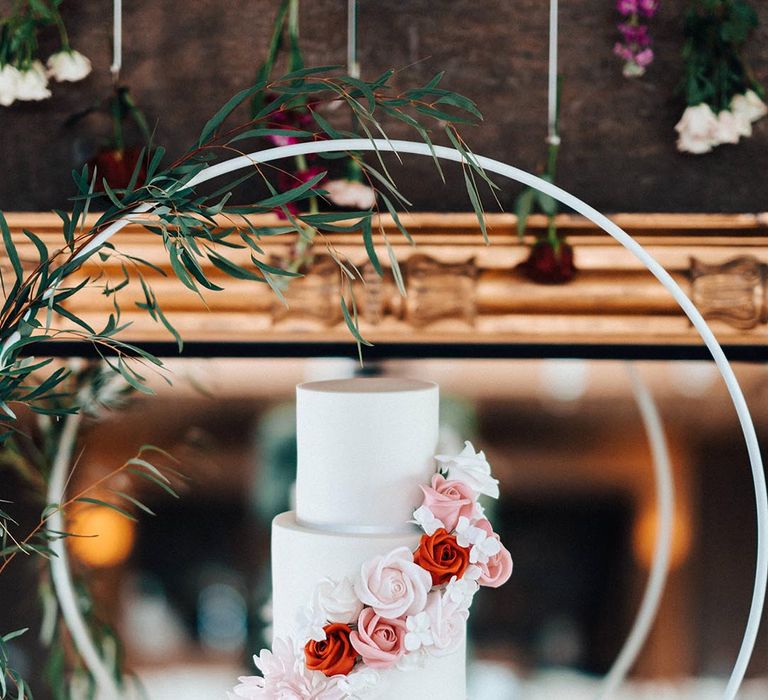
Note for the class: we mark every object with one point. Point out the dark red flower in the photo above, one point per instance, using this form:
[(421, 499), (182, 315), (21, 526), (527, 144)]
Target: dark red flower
[(116, 167), (549, 266)]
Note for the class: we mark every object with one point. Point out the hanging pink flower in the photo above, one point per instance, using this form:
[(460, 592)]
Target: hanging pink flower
[(635, 47)]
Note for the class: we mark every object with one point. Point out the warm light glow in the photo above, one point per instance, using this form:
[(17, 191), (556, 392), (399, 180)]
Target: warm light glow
[(644, 536), (107, 537)]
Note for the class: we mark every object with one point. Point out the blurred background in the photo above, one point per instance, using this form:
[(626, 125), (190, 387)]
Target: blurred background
[(189, 589)]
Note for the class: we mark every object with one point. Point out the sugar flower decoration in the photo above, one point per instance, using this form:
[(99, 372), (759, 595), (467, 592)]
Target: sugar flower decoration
[(393, 585), (472, 468), (285, 677), (419, 634), (426, 520), (337, 601)]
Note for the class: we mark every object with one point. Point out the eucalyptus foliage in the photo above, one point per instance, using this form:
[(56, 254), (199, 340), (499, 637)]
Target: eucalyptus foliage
[(188, 224)]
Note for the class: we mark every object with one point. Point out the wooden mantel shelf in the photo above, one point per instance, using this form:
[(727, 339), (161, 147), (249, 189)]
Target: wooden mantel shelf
[(464, 292)]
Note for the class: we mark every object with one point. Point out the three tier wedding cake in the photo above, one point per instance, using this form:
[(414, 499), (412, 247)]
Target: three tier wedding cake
[(374, 572)]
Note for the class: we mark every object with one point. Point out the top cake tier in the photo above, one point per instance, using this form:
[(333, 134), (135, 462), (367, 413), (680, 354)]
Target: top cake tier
[(364, 447)]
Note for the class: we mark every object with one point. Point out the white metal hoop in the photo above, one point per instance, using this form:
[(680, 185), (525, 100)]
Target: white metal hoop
[(590, 213)]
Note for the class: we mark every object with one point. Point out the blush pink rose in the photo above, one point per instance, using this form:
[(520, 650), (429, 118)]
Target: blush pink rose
[(378, 640), (449, 500), (497, 570), (393, 584)]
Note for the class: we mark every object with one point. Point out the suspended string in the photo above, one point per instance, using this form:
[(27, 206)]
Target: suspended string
[(552, 136), (353, 66), (117, 39)]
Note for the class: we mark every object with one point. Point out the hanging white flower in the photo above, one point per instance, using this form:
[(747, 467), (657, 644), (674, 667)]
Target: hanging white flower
[(68, 65), (697, 129), (9, 79), (32, 84), (472, 468), (419, 635), (729, 128), (426, 520), (749, 106), (350, 193)]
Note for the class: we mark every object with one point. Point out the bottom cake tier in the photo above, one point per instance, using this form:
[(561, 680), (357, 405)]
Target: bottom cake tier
[(303, 556)]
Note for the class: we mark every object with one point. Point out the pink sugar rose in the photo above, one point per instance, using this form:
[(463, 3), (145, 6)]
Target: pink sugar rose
[(393, 585), (497, 570), (378, 640), (449, 500)]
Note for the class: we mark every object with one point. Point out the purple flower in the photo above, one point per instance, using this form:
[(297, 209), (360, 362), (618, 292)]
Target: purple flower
[(289, 119), (648, 8), (627, 7), (623, 52), (635, 34), (644, 58)]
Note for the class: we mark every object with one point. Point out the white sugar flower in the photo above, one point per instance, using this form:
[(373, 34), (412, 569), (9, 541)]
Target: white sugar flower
[(426, 520), (310, 620), (697, 129), (9, 79), (68, 65), (749, 105), (360, 684), (472, 468), (467, 534), (461, 591), (484, 548), (337, 601), (32, 84), (350, 193), (419, 634)]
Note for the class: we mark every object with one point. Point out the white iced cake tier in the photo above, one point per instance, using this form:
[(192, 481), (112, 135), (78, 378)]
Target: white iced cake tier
[(364, 447)]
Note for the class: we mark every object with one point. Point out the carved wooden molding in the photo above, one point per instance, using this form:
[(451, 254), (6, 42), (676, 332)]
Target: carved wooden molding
[(462, 291)]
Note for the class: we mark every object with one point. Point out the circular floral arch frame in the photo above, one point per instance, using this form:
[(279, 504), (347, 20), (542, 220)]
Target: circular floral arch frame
[(657, 270)]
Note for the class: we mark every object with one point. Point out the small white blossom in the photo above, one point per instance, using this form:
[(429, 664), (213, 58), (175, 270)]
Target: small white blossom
[(32, 84), (467, 534), (484, 549), (461, 591), (426, 520), (68, 65), (472, 468), (9, 79), (419, 634), (361, 684)]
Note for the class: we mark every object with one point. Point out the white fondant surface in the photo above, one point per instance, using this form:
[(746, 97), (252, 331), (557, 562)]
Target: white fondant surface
[(302, 556), (364, 447)]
